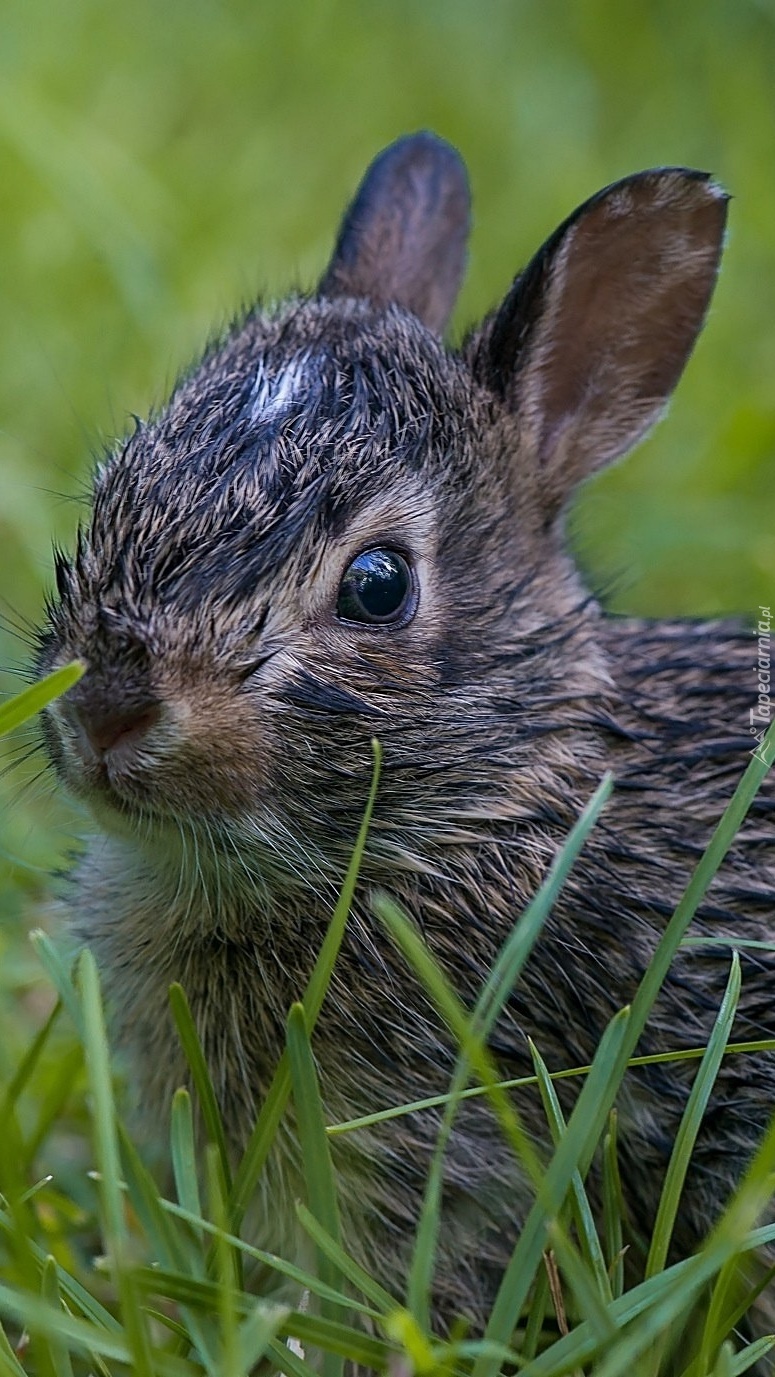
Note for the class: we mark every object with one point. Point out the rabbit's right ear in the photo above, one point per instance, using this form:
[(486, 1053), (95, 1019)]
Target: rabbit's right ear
[(594, 335), (404, 236)]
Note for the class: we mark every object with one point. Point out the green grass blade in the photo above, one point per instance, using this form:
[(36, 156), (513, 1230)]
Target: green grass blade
[(358, 1278), (727, 1308), (316, 1155), (106, 1141), (522, 1082), (255, 1335), (648, 990), (574, 1153), (658, 1302), (327, 1334), (107, 1154), (538, 1309), (613, 1207), (77, 1297), (59, 976), (187, 1290), (289, 1362), (527, 929), (80, 1334), (752, 1353), (458, 1020), (333, 1337), (30, 1060), (723, 836), (171, 1249), (494, 994), (192, 1048), (51, 1104), (60, 1357), (691, 1120), (9, 1363), (580, 1207), (258, 1148), (183, 1153), (24, 705), (227, 1273)]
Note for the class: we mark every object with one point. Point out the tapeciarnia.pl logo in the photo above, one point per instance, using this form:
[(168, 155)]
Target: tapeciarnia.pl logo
[(761, 714)]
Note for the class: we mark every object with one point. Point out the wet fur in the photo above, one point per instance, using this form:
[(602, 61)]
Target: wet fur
[(206, 581)]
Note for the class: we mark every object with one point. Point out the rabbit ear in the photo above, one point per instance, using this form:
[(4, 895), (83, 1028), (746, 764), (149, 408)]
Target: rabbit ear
[(594, 335), (404, 236)]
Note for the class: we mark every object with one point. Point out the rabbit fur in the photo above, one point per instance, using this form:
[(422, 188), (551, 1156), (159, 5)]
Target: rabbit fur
[(221, 734)]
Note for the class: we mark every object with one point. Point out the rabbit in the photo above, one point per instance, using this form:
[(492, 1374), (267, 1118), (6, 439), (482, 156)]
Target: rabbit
[(340, 528)]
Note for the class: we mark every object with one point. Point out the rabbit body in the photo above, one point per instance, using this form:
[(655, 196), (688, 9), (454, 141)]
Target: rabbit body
[(221, 735)]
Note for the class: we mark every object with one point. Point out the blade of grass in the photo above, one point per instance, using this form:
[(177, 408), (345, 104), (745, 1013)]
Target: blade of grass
[(50, 1292), (330, 1335), (333, 1337), (26, 1068), (59, 976), (9, 1363), (186, 1290), (316, 1155), (289, 1362), (731, 821), (255, 1335), (577, 1148), (170, 1247), (521, 1082), (537, 1311), (458, 1020), (258, 1148), (663, 1298), (226, 1271), (582, 1214), (107, 1154), (183, 1153), (24, 705), (192, 1048), (613, 1207), (496, 990), (691, 1120), (753, 1353), (30, 1310), (723, 836), (574, 1153), (722, 1318), (356, 1275), (75, 1294)]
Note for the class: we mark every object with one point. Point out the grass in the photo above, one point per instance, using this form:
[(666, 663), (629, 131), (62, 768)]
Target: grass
[(126, 234), (114, 1277)]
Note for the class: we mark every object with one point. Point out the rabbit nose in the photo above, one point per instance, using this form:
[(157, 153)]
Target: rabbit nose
[(124, 726)]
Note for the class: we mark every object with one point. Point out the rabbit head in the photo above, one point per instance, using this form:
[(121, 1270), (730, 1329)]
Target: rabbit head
[(339, 528)]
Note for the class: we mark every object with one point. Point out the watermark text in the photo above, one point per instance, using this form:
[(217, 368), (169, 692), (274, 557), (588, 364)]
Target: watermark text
[(761, 713)]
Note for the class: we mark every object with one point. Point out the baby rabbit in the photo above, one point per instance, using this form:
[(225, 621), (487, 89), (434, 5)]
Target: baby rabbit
[(337, 529)]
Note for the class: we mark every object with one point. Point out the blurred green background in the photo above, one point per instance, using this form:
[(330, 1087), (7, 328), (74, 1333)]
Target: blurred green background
[(162, 163)]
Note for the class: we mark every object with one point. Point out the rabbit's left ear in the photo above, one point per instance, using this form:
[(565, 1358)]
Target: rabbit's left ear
[(594, 335), (404, 236)]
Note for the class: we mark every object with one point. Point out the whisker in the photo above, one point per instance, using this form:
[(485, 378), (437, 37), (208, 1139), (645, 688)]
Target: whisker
[(20, 756)]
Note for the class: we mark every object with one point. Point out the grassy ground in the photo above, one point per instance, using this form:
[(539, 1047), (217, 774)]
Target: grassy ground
[(168, 1297), (162, 163)]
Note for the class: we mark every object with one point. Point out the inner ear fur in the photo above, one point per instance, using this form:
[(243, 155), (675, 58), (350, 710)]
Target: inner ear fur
[(594, 334), (403, 238)]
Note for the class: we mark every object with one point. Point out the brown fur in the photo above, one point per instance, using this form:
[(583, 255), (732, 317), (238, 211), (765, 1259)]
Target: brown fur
[(221, 734)]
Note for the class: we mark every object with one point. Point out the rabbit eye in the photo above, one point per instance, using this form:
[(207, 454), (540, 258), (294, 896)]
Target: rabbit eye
[(378, 588)]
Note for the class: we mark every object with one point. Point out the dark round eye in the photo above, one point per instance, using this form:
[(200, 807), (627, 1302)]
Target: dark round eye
[(378, 588)]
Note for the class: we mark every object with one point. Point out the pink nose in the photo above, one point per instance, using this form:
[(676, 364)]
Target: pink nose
[(105, 730)]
